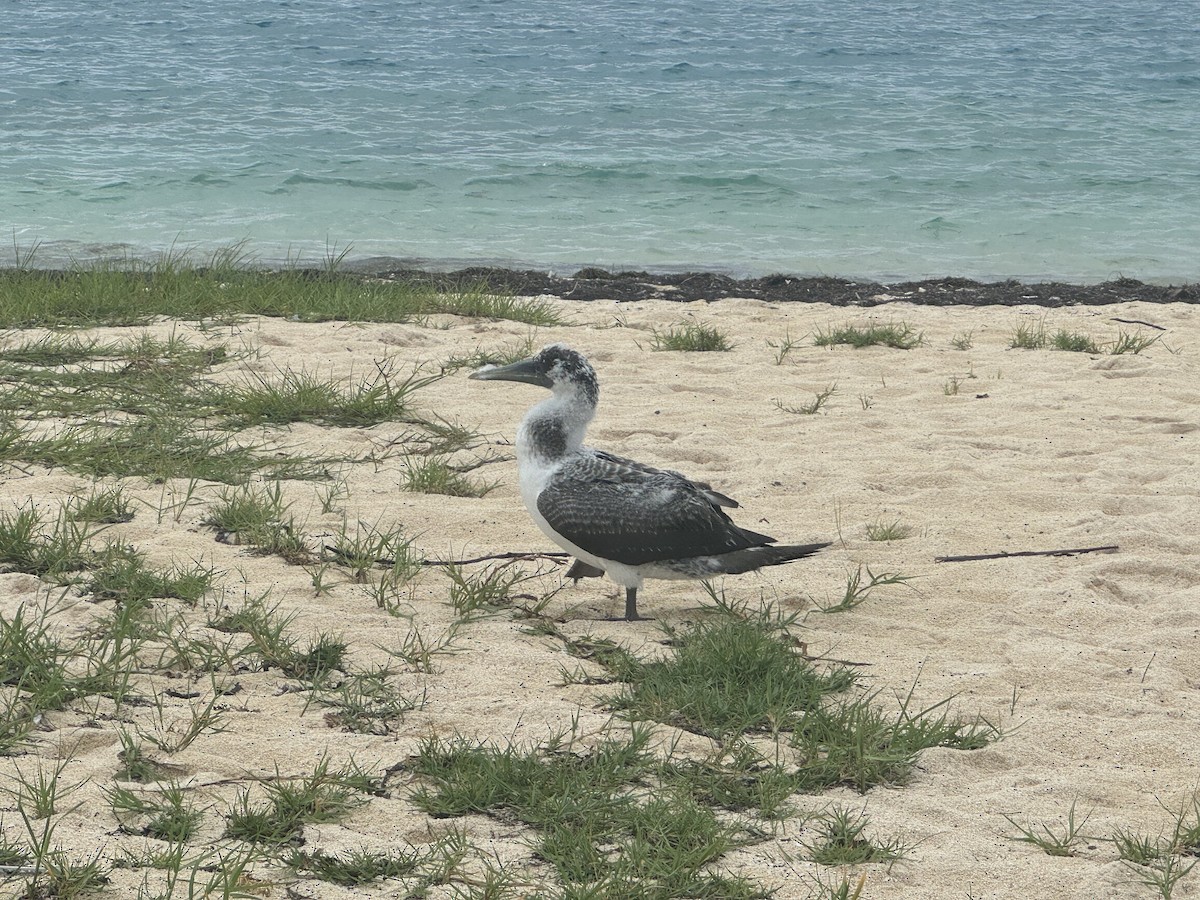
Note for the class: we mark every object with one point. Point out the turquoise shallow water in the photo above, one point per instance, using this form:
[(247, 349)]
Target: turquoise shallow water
[(890, 140)]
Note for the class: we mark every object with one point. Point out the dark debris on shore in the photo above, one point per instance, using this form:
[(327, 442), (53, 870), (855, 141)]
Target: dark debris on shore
[(601, 284)]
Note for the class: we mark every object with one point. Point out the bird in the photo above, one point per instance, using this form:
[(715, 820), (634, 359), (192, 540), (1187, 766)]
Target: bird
[(618, 517)]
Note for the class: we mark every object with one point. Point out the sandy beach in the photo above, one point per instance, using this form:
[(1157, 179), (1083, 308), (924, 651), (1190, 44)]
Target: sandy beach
[(1088, 664)]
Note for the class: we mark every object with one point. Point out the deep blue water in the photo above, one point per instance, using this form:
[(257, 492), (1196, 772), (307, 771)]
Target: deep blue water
[(1015, 138)]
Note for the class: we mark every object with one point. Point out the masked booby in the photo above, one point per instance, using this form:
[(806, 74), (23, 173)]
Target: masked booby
[(618, 517)]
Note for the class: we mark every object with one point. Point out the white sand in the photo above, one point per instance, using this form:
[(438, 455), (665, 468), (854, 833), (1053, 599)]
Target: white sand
[(1091, 663)]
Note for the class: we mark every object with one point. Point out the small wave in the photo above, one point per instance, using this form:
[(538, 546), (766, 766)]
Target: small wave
[(366, 62), (751, 181), (584, 173), (356, 183), (939, 224), (205, 178)]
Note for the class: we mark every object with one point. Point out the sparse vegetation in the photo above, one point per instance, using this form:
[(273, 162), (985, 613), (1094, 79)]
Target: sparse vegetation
[(888, 531), (1162, 862), (1073, 341), (811, 408), (858, 590), (1060, 841), (289, 803), (500, 356), (690, 337), (133, 292), (124, 638), (1135, 342), (783, 347), (898, 335), (299, 396), (1029, 336), (437, 475), (841, 841), (1033, 336)]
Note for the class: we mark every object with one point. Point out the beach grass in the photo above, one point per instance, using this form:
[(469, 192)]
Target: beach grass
[(842, 841), (859, 589), (1029, 336), (1074, 342), (1160, 862), (1034, 336), (361, 866), (593, 825), (1132, 342), (898, 335), (783, 347), (227, 286), (1060, 840), (439, 475), (690, 337), (299, 396), (288, 804), (813, 406), (153, 651), (888, 531)]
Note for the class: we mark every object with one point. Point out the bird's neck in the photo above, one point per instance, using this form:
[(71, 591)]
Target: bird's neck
[(555, 427)]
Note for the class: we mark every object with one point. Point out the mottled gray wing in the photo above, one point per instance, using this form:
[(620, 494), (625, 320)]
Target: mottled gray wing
[(632, 514), (621, 462)]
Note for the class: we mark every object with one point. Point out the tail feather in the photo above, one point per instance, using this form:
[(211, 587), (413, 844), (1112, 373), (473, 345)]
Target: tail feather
[(770, 555)]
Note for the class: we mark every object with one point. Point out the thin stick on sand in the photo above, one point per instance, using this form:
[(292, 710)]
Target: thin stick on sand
[(516, 554), (1005, 555)]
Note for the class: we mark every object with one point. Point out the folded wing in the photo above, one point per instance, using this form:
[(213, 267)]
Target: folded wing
[(620, 510)]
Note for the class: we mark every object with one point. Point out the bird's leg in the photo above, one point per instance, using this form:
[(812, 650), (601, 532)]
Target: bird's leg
[(631, 613)]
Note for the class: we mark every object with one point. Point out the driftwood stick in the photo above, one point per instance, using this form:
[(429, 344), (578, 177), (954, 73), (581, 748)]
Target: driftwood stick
[(1139, 322), (518, 554), (532, 554), (1005, 555)]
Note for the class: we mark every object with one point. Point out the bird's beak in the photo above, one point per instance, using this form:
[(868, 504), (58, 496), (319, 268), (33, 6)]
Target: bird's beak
[(526, 371)]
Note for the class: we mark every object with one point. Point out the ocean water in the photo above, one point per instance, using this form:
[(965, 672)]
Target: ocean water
[(877, 138)]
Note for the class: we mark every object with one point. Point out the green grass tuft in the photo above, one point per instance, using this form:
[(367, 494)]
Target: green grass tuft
[(437, 475), (842, 841), (54, 553), (1134, 343), (888, 531), (898, 335), (593, 825), (1029, 336), (1073, 341), (811, 408), (127, 579), (327, 795), (358, 867), (727, 678), (102, 507), (304, 397), (690, 337), (1053, 842)]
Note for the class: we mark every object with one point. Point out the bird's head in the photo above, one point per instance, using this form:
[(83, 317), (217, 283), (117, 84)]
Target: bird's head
[(556, 366)]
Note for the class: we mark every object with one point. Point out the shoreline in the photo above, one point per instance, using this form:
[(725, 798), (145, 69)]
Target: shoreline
[(593, 283), (627, 286)]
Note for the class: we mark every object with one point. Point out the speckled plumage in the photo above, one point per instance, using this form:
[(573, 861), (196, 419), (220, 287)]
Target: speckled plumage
[(615, 515)]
